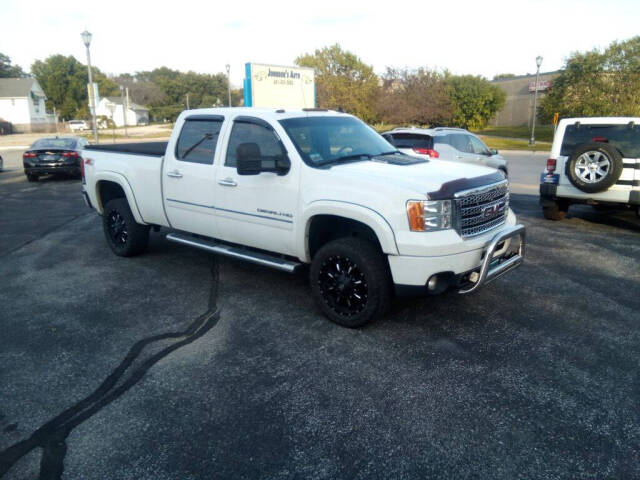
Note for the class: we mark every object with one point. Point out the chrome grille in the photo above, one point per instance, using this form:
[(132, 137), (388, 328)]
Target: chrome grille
[(479, 210)]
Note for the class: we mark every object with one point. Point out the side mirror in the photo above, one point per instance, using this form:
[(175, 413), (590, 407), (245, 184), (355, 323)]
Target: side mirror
[(493, 151), (283, 165), (248, 159)]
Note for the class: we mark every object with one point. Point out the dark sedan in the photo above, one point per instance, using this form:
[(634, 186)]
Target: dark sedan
[(57, 155)]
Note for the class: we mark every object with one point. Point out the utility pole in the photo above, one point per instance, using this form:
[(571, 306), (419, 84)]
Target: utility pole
[(124, 110), (187, 101), (86, 38), (228, 67), (532, 140)]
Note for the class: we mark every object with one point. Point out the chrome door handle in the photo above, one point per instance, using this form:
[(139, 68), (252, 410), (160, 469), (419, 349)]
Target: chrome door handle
[(227, 182), (174, 174)]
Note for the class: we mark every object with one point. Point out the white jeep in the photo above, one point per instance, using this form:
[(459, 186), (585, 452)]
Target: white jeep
[(594, 161)]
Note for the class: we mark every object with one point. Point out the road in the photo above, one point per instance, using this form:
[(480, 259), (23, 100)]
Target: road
[(535, 376)]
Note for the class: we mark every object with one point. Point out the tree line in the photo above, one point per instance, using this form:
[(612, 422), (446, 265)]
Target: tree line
[(592, 83)]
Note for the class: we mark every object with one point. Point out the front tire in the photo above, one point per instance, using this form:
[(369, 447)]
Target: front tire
[(124, 236), (350, 282)]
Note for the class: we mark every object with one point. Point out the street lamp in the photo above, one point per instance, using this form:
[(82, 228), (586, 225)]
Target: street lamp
[(125, 108), (532, 140), (228, 67), (86, 38)]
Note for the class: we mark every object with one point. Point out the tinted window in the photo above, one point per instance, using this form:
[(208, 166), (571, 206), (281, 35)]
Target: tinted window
[(64, 143), (412, 140), (197, 141), (461, 142), (625, 138), (324, 139), (477, 145), (269, 146), (441, 140)]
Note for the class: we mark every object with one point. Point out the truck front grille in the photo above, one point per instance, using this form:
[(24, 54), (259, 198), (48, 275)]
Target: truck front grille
[(481, 209)]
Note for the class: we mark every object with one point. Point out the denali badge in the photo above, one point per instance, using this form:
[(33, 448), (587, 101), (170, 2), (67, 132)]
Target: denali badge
[(494, 210)]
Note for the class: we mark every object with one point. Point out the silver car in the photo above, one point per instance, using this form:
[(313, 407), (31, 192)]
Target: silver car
[(453, 144)]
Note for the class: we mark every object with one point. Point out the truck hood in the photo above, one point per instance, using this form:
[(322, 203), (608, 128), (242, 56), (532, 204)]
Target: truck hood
[(434, 177)]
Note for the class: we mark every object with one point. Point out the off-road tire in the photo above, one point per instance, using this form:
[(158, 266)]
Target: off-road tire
[(124, 236), (557, 211), (369, 267), (613, 173)]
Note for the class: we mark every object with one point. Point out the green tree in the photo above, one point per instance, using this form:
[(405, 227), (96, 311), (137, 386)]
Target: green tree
[(204, 90), (343, 81), (597, 83), (414, 96), (503, 76), (7, 70), (64, 81), (475, 100)]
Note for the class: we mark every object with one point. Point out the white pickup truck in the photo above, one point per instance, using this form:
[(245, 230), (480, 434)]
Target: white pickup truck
[(285, 188)]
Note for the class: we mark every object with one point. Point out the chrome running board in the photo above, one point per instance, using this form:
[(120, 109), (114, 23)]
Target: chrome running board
[(240, 253)]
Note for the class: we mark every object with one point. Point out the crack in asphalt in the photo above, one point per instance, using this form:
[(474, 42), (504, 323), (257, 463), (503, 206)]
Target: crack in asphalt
[(51, 437)]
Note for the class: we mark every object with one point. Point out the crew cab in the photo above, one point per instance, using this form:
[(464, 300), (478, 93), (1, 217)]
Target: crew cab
[(288, 188)]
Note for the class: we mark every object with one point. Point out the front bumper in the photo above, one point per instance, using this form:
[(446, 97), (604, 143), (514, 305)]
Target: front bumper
[(467, 271)]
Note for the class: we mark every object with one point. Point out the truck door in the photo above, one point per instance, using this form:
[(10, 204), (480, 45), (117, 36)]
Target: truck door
[(256, 210), (189, 175)]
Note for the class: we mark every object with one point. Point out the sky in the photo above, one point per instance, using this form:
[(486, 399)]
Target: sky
[(466, 37)]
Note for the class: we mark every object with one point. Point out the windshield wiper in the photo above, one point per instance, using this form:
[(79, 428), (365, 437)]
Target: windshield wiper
[(353, 156), (206, 136)]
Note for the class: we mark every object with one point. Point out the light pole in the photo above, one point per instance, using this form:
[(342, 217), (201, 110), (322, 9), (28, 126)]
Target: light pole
[(124, 111), (532, 140), (86, 38), (228, 67)]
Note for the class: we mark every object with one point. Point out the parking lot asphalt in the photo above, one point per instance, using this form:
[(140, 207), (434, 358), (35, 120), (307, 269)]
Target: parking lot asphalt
[(175, 364)]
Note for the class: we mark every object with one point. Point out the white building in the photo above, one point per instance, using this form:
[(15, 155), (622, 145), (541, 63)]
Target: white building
[(22, 103), (111, 107)]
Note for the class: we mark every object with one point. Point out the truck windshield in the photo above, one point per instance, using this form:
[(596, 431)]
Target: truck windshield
[(325, 140)]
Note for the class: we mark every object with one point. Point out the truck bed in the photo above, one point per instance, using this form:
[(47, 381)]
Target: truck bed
[(151, 149)]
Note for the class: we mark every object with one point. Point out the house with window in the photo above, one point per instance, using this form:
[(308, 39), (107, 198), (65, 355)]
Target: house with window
[(111, 107), (22, 104)]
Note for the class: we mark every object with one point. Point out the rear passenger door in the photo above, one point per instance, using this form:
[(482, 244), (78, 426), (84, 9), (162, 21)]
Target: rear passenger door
[(189, 176)]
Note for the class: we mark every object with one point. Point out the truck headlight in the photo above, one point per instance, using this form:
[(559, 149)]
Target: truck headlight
[(429, 215)]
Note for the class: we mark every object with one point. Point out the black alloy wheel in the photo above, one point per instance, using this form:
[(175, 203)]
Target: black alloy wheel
[(350, 281), (117, 228), (343, 285), (124, 235)]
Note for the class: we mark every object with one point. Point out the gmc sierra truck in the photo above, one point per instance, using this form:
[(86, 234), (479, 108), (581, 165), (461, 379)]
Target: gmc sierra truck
[(285, 188)]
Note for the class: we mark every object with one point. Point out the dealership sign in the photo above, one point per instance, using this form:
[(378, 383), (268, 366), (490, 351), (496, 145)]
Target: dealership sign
[(279, 87), (542, 85)]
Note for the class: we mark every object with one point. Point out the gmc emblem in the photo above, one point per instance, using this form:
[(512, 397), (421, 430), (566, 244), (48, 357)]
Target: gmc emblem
[(494, 210)]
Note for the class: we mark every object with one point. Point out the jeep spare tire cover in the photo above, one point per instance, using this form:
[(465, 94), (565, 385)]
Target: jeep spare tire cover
[(594, 167)]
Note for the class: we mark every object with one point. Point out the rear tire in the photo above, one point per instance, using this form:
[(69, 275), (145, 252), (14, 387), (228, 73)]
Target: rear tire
[(32, 177), (557, 211), (350, 282), (124, 236)]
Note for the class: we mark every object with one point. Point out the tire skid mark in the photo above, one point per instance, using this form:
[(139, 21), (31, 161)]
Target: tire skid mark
[(51, 437)]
